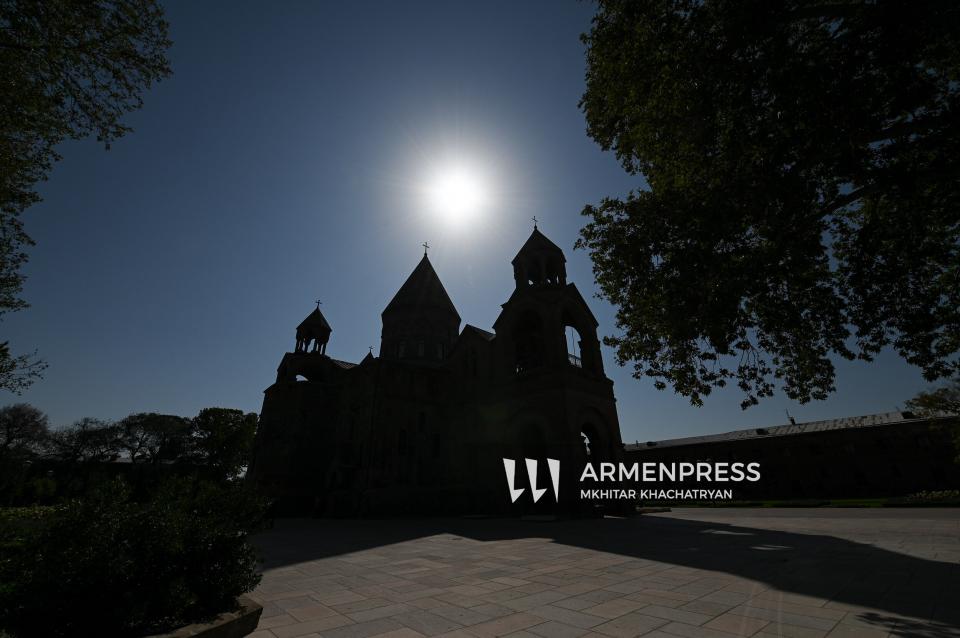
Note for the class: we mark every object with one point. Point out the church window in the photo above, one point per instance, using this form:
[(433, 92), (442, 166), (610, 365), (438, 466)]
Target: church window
[(402, 349), (572, 337), (534, 273), (440, 351)]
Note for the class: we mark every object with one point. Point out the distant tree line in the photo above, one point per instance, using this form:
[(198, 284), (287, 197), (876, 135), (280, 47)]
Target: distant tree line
[(218, 442)]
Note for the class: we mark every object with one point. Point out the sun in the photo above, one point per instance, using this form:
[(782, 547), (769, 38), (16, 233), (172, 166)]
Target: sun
[(456, 194)]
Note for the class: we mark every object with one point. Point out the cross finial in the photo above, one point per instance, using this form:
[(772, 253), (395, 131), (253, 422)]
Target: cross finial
[(534, 222), (318, 302), (371, 349), (425, 247)]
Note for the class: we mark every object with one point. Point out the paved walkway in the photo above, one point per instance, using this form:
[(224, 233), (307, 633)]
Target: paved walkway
[(715, 573)]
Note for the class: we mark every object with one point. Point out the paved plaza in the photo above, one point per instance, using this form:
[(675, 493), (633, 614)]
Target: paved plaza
[(717, 573)]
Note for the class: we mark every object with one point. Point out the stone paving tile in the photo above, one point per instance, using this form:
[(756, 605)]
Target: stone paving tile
[(311, 626), (276, 621), (460, 615), (555, 629), (653, 599), (311, 612), (379, 612), (534, 600), (669, 613), (629, 625), (615, 607), (505, 625), (401, 633), (705, 607), (366, 629), (567, 616), (690, 631), (738, 625), (806, 610), (853, 631), (427, 623)]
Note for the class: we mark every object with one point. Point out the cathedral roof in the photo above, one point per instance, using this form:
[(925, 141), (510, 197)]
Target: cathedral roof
[(315, 320), (422, 290), (538, 242), (483, 334)]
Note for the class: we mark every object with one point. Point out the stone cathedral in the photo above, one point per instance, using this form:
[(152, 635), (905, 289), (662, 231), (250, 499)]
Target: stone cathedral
[(424, 427)]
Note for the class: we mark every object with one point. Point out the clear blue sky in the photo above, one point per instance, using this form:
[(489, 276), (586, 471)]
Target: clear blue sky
[(284, 161)]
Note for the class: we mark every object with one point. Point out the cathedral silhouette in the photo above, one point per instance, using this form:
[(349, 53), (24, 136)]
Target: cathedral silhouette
[(424, 427)]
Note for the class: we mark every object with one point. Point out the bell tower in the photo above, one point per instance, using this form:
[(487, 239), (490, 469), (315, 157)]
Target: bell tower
[(546, 351), (540, 262), (546, 319)]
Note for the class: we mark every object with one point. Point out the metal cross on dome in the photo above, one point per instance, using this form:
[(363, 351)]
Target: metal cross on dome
[(425, 247)]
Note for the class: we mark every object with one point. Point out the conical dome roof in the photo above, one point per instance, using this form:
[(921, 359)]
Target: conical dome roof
[(537, 242), (315, 320), (422, 291)]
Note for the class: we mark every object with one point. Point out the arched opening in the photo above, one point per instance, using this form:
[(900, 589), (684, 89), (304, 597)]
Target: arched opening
[(555, 274), (528, 338), (573, 337), (593, 446), (574, 341), (534, 272)]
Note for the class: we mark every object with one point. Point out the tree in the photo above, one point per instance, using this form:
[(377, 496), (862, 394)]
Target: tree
[(23, 429), (223, 439), (803, 202), (88, 439), (68, 70), (23, 433), (154, 437), (942, 401)]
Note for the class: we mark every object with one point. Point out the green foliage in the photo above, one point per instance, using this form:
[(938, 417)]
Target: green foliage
[(802, 160), (23, 433), (936, 497), (110, 566), (67, 70), (941, 402), (23, 429), (223, 439), (154, 437), (86, 440)]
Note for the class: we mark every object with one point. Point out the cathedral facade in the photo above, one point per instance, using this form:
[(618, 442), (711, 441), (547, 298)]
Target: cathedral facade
[(425, 426)]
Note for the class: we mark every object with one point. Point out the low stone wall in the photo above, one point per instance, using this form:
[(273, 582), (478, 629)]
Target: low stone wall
[(234, 624)]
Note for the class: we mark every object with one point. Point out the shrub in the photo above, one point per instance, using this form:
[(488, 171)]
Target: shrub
[(108, 565)]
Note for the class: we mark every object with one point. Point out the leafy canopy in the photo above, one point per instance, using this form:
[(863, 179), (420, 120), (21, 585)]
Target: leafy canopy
[(68, 70), (803, 169)]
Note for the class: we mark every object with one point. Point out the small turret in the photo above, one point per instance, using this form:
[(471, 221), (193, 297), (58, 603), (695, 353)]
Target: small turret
[(314, 329), (540, 262)]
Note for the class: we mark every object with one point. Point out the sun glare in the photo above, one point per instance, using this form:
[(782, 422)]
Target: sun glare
[(457, 195)]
